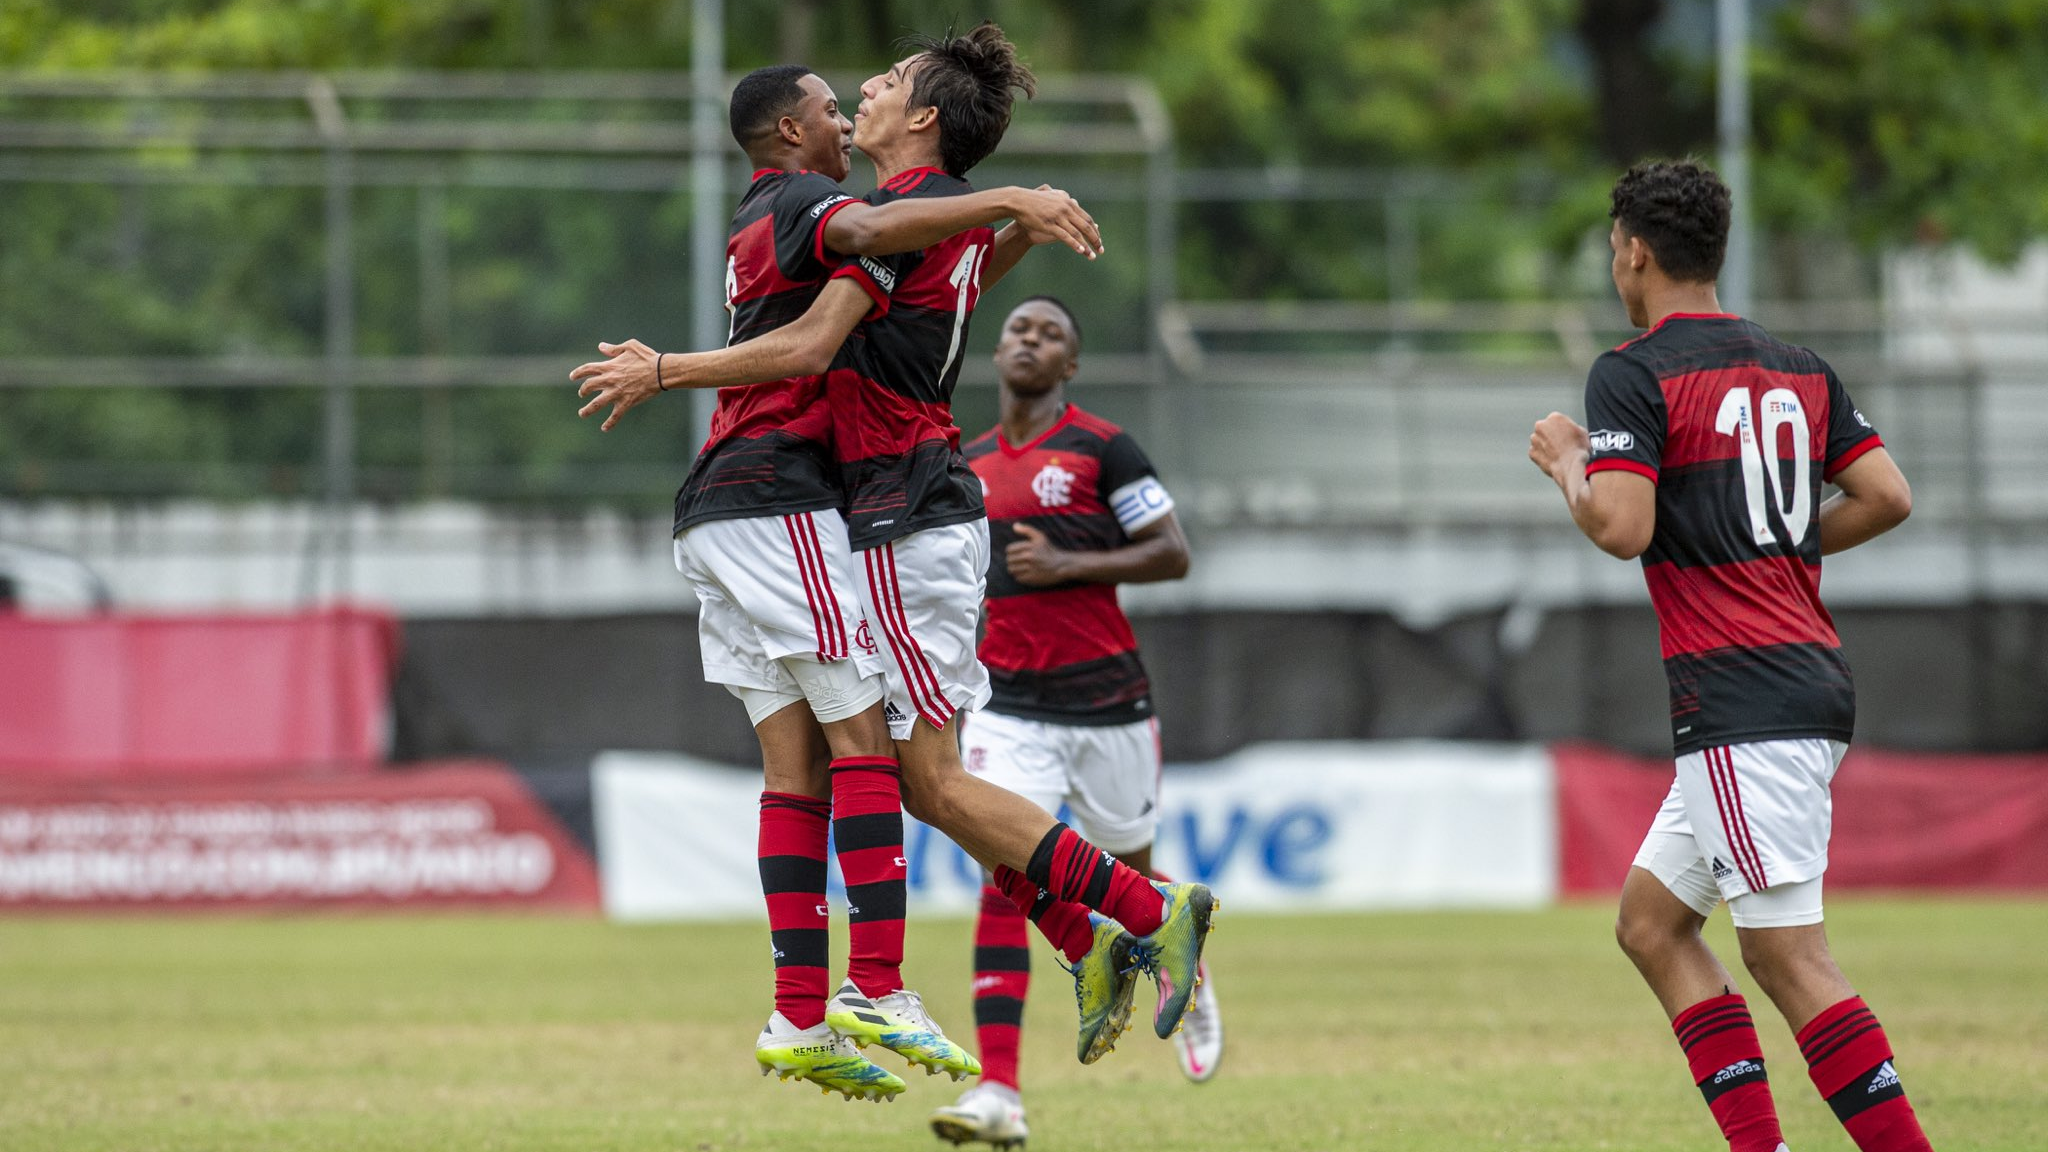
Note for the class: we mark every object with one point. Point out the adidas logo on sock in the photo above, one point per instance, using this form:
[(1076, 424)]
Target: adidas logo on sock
[(1739, 1068), (1887, 1077)]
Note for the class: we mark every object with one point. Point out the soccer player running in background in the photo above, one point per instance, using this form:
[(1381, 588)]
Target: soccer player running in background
[(759, 536), (1074, 509), (1710, 443), (915, 512)]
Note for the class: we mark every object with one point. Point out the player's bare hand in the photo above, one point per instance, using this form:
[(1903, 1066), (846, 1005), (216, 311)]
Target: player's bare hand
[(629, 375), (1558, 445), (1033, 560), (1050, 216)]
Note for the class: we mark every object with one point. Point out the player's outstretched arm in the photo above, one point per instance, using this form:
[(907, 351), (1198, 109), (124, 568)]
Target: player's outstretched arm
[(860, 229), (1158, 551), (1617, 510), (1874, 499), (634, 373), (1012, 243)]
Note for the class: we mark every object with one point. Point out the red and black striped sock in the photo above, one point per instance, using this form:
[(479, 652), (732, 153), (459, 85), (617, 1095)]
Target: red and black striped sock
[(1850, 1061), (1727, 1062), (1073, 869), (867, 833), (1062, 922), (792, 860), (1002, 976)]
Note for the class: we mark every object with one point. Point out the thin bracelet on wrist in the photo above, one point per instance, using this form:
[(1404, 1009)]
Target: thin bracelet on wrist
[(658, 384)]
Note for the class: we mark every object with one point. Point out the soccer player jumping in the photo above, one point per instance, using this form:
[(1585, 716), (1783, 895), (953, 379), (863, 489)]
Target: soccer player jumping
[(891, 331), (1075, 509), (1710, 442), (759, 536)]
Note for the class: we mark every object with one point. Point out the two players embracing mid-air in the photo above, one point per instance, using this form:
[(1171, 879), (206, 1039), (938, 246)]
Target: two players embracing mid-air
[(839, 548)]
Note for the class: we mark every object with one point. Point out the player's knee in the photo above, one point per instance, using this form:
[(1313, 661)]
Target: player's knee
[(1642, 937)]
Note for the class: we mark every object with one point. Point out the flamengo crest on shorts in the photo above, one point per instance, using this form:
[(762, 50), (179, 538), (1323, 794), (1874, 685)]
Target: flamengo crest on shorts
[(767, 453), (1065, 653), (1738, 431)]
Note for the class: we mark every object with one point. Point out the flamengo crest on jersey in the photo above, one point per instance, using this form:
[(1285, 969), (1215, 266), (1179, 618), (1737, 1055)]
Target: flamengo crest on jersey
[(891, 386), (1738, 431), (768, 452), (1065, 653)]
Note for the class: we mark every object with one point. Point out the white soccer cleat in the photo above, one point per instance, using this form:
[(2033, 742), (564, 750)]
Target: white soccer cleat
[(1199, 1043), (823, 1057), (899, 1023), (990, 1113)]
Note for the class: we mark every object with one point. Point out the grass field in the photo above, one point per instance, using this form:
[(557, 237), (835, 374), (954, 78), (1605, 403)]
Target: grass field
[(1422, 1032)]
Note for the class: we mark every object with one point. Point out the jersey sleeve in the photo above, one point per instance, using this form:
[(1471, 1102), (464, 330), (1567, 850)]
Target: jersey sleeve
[(1133, 492), (802, 206), (1625, 417), (1849, 434)]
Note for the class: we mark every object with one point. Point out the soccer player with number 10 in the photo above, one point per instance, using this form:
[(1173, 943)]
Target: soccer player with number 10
[(1709, 445)]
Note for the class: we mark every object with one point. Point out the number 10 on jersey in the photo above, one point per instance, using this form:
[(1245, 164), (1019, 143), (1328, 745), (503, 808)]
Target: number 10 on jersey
[(1764, 487)]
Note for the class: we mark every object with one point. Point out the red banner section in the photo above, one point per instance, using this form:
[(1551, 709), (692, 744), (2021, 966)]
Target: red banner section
[(147, 696), (1902, 820), (452, 835)]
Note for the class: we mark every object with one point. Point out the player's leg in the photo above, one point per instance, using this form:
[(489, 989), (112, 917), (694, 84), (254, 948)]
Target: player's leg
[(1665, 901), (1778, 790), (721, 560), (923, 592)]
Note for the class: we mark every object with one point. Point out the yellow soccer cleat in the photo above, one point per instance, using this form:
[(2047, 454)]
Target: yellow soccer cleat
[(824, 1058), (1104, 981), (899, 1023), (1173, 954)]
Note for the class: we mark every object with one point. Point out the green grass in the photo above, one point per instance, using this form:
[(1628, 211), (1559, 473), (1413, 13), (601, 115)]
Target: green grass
[(1418, 1032)]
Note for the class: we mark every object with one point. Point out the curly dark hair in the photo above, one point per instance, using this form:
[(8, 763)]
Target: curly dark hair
[(968, 79), (1680, 209), (761, 99)]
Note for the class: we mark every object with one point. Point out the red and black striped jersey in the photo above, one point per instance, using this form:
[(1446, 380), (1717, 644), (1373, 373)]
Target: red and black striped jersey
[(1064, 652), (769, 451), (891, 386), (1738, 430)]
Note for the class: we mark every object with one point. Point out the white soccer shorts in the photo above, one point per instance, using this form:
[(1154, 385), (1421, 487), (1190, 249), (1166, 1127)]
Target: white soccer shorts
[(1107, 775), (1748, 823), (773, 587), (923, 595)]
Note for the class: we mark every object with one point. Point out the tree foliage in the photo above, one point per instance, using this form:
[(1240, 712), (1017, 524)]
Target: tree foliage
[(1498, 125)]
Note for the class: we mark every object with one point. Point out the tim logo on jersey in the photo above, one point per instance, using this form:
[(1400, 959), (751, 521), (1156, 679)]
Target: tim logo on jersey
[(1054, 486)]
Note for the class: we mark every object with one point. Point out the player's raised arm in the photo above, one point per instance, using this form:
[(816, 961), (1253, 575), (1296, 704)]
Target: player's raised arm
[(906, 225), (634, 372), (1874, 499)]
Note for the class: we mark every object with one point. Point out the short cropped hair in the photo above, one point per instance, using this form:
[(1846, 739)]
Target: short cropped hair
[(1073, 324), (1681, 210), (968, 79), (761, 99)]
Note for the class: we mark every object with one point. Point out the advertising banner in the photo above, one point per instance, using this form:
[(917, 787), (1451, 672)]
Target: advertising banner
[(1296, 826), (458, 835), (144, 697), (1901, 820)]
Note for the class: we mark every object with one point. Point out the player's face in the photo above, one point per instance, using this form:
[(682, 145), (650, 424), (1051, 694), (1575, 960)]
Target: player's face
[(1036, 352), (883, 117), (828, 134), (1628, 281)]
